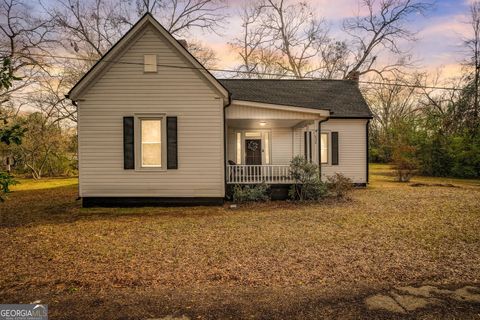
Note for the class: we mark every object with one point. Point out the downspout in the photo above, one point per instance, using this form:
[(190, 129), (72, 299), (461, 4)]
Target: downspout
[(225, 143), (320, 146), (368, 147)]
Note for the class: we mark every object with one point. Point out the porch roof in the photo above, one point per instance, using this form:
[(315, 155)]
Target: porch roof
[(342, 97)]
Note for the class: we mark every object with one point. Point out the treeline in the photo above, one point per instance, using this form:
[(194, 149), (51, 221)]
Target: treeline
[(47, 148), (425, 125), (49, 45), (426, 131)]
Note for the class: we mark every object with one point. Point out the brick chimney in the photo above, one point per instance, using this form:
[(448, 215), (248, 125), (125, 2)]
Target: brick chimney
[(354, 76), (184, 43)]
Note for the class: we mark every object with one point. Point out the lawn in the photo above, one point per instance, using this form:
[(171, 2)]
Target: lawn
[(275, 260)]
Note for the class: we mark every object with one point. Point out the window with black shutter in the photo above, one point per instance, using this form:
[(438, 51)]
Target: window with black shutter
[(172, 143), (128, 143), (335, 159)]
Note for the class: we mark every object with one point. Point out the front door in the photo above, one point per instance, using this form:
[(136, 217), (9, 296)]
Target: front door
[(253, 151)]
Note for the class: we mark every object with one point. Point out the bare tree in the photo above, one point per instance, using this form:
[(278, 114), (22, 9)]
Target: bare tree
[(286, 30), (382, 28), (45, 145), (393, 100), (51, 99), (334, 59), (205, 55), (181, 16), (93, 26), (296, 33), (250, 44), (23, 39), (89, 28), (396, 110), (471, 92)]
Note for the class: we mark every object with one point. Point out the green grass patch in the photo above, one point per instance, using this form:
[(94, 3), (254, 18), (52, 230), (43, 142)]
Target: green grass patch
[(47, 183)]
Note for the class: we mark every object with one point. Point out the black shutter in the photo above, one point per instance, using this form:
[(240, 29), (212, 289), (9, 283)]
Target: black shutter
[(334, 148), (172, 144), (128, 143)]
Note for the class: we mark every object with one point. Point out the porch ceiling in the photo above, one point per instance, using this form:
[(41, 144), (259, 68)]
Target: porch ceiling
[(255, 123)]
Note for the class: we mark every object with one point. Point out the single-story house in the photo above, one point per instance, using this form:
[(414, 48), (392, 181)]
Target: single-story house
[(155, 127)]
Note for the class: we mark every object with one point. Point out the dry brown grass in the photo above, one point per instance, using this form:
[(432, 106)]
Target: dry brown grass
[(271, 260)]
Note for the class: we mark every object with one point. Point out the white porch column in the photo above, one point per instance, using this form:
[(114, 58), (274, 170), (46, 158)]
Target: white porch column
[(315, 143)]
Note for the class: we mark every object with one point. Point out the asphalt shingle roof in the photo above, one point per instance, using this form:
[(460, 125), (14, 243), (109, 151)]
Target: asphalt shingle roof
[(342, 97)]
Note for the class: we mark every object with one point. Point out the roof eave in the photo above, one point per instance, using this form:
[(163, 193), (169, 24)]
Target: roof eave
[(255, 104)]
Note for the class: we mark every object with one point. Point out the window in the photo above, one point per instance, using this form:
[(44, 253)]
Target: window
[(324, 147), (151, 142), (239, 148), (267, 148)]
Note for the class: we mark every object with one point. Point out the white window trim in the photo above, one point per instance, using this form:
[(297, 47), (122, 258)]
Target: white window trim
[(329, 149), (138, 141)]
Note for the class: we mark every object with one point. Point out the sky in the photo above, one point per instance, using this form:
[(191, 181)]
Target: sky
[(439, 44), (438, 47)]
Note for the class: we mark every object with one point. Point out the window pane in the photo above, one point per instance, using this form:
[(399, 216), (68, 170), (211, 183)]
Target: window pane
[(151, 154), (151, 143), (324, 147), (151, 130), (253, 134), (267, 148), (239, 148)]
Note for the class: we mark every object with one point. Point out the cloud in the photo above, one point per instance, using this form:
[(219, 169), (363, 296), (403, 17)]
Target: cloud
[(450, 26)]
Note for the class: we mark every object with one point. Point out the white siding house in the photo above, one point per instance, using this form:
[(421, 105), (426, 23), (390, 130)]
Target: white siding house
[(155, 127)]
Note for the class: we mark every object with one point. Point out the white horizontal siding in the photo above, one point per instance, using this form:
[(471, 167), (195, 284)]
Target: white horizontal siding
[(232, 145), (124, 90), (352, 145), (297, 142), (288, 142), (282, 145)]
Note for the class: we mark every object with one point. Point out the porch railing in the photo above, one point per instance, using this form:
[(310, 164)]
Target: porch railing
[(253, 174)]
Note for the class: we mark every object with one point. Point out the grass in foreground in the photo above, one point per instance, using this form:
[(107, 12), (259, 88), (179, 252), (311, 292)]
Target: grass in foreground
[(277, 260)]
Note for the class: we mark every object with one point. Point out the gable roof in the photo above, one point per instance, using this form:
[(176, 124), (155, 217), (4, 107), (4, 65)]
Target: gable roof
[(121, 44), (342, 97)]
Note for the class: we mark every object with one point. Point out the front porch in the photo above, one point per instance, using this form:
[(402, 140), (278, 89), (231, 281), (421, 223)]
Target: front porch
[(262, 139), (256, 174)]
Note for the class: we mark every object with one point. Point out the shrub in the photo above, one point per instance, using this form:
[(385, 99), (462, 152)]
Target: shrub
[(248, 193), (465, 152), (339, 186), (307, 184), (404, 162), (6, 180)]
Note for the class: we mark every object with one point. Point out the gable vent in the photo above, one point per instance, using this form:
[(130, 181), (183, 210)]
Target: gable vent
[(150, 63)]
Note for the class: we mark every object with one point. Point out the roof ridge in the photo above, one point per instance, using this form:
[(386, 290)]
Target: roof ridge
[(240, 79)]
